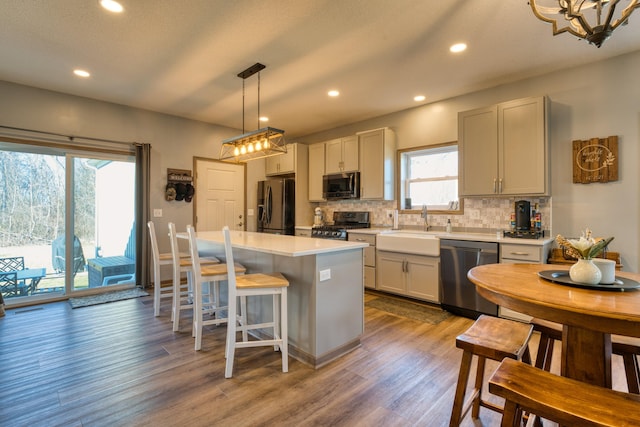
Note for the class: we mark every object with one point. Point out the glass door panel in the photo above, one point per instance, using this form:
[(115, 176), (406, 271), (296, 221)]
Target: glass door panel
[(32, 213), (103, 221)]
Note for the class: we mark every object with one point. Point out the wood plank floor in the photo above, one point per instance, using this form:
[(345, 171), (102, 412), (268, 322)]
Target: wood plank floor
[(117, 365)]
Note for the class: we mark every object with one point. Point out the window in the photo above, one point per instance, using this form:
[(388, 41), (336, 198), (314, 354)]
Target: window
[(429, 176)]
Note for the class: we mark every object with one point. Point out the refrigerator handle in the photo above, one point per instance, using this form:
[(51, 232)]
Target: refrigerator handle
[(268, 202)]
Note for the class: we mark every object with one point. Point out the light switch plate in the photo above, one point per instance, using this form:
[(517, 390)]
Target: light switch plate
[(325, 274), (157, 213), (249, 212)]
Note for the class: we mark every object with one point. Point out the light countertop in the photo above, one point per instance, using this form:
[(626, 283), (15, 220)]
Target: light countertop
[(457, 235), (278, 244)]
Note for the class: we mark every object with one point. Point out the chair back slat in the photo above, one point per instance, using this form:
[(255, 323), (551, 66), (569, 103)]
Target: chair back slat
[(9, 284), (11, 264), (231, 271)]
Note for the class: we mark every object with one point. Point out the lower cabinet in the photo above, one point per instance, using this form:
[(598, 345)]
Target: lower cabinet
[(369, 256), (414, 276), (521, 254)]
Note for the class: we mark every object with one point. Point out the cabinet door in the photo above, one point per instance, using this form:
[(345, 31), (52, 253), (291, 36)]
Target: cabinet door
[(350, 154), (333, 156), (341, 155), (372, 165), (422, 276), (316, 171), (522, 146), (390, 272), (283, 163), (478, 152)]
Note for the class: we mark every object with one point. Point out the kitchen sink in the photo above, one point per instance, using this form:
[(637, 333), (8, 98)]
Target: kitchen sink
[(415, 242)]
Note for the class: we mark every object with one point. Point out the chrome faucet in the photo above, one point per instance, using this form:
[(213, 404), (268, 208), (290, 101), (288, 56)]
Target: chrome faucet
[(425, 216)]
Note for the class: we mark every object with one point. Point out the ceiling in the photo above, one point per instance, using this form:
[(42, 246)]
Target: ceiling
[(183, 57)]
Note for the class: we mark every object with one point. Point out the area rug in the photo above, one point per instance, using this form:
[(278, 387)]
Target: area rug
[(415, 311), (106, 297)]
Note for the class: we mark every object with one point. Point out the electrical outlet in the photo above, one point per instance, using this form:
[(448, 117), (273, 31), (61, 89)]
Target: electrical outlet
[(325, 274), (389, 214), (249, 212), (157, 213)]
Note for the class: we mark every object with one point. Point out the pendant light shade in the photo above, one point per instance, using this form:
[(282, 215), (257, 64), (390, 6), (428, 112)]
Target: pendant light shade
[(257, 144), (593, 20)]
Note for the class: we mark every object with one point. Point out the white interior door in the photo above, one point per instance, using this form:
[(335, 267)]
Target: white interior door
[(220, 195)]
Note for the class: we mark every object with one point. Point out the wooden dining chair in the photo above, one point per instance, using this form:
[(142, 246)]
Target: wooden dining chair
[(252, 285), (207, 276)]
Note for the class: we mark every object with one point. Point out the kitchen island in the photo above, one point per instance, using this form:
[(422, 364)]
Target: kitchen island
[(326, 288)]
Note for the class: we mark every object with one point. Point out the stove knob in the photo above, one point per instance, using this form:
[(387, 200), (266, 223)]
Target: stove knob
[(336, 234)]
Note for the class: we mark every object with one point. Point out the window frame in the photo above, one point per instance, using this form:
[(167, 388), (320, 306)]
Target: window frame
[(401, 181)]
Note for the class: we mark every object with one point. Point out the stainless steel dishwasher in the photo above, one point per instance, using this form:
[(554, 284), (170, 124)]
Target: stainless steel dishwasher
[(458, 294)]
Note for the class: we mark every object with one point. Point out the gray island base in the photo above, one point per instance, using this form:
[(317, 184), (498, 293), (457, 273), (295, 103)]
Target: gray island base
[(326, 288)]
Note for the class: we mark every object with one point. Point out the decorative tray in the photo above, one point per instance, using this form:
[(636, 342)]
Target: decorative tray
[(562, 276)]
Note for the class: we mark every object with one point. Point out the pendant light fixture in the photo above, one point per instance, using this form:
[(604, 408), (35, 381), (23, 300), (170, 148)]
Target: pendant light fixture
[(257, 144), (593, 20)]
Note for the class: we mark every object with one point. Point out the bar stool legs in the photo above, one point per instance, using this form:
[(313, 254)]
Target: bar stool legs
[(488, 338)]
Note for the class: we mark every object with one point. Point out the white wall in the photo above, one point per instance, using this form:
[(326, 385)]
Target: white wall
[(598, 100)]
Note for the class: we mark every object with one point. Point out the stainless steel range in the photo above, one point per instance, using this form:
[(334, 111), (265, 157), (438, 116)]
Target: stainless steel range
[(342, 221)]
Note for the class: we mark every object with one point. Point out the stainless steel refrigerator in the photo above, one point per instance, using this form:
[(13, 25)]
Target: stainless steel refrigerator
[(276, 206)]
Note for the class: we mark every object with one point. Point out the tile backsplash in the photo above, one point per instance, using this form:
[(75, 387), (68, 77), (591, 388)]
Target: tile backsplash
[(480, 214)]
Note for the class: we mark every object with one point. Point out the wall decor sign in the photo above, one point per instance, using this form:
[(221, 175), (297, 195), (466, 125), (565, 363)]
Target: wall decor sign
[(179, 185), (595, 160)]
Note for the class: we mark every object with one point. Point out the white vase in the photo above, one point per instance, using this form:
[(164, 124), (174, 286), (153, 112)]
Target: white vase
[(585, 271)]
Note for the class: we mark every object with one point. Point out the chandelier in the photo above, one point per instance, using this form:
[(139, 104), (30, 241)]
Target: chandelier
[(593, 20), (257, 144)]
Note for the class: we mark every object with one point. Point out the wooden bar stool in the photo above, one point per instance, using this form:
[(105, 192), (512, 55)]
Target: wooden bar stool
[(560, 399), (209, 275), (627, 347), (488, 338), (249, 285)]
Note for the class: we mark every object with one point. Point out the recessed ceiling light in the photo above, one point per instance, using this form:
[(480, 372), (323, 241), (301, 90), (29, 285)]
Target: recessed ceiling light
[(333, 93), (419, 98), (81, 73), (111, 6), (264, 119), (458, 47)]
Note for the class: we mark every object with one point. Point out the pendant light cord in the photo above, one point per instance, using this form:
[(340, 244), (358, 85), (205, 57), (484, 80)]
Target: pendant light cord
[(258, 100)]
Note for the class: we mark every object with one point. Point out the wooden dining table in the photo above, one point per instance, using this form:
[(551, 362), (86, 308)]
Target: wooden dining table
[(589, 316)]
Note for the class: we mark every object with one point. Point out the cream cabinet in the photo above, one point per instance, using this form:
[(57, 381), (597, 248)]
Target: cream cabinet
[(369, 256), (341, 155), (303, 231), (511, 253), (282, 164), (503, 149), (316, 171), (377, 164), (410, 275)]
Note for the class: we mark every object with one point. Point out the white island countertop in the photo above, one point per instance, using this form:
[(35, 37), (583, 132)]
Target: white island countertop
[(278, 244)]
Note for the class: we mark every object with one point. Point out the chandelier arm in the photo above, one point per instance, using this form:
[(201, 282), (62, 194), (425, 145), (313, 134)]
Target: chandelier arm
[(612, 9)]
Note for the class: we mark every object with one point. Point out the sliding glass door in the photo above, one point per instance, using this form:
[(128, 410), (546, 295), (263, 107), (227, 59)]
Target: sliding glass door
[(66, 222)]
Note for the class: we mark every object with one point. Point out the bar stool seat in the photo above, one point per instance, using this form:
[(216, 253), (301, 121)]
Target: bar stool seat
[(488, 338)]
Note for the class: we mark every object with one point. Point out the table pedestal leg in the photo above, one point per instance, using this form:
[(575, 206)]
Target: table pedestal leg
[(586, 356)]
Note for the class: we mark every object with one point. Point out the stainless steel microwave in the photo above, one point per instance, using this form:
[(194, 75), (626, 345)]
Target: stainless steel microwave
[(341, 186)]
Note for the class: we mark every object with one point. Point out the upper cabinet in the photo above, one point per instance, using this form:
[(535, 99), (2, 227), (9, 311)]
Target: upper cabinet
[(377, 152), (503, 149), (341, 155), (316, 171), (283, 163)]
